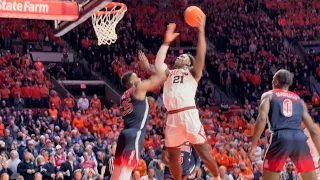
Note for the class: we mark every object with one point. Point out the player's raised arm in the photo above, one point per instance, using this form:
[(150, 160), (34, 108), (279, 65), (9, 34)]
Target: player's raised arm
[(261, 121), (162, 53), (311, 126), (201, 51), (150, 84)]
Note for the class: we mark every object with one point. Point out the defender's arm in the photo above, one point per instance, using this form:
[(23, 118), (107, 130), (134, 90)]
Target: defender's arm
[(311, 126), (262, 118), (148, 85)]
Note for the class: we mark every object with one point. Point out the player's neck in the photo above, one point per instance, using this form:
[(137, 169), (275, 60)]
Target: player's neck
[(283, 89)]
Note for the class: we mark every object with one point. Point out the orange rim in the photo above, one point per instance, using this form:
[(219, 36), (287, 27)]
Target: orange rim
[(112, 5)]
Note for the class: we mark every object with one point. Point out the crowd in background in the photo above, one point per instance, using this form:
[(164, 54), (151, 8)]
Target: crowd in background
[(298, 18), (46, 137)]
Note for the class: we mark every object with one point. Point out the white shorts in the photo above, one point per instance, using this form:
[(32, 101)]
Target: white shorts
[(184, 127)]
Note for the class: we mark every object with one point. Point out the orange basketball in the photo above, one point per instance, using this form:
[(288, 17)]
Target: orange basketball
[(192, 15)]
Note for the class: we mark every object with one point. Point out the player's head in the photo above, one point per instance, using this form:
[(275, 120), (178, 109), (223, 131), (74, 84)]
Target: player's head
[(184, 60), (130, 79), (282, 79)]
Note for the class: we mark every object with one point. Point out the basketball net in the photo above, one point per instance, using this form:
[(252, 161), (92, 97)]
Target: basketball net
[(105, 22)]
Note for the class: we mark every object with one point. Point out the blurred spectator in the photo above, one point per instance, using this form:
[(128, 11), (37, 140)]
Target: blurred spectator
[(149, 176), (289, 172), (19, 103), (223, 173), (49, 169), (259, 170), (68, 102), (13, 164), (83, 102), (26, 168), (69, 167), (136, 175)]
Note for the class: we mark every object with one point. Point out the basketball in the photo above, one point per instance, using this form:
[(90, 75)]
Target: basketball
[(192, 16)]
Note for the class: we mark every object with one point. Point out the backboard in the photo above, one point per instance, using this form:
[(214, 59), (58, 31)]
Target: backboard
[(86, 9), (67, 14)]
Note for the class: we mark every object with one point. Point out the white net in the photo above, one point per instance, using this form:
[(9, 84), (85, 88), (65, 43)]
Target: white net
[(104, 23)]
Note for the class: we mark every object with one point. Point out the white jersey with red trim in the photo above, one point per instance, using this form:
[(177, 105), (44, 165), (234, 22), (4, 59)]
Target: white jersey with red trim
[(179, 90), (312, 147)]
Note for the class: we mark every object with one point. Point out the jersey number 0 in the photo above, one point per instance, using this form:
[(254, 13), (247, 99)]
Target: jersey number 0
[(287, 108)]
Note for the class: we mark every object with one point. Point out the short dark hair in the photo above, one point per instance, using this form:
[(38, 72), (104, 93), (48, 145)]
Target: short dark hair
[(126, 78), (191, 59), (284, 77)]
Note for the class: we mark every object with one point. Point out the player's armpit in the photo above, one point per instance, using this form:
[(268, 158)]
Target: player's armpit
[(311, 126), (262, 117), (148, 85), (199, 63)]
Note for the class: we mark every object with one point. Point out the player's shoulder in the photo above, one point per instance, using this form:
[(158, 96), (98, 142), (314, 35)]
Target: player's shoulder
[(267, 94)]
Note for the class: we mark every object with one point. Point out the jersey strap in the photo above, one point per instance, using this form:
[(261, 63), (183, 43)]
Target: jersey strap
[(182, 109)]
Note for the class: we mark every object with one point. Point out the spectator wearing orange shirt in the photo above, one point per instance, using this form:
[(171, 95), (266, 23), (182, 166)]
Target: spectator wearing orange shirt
[(245, 172), (256, 79), (104, 130), (2, 128), (44, 91), (15, 90), (36, 96), (5, 94), (78, 122), (141, 167), (96, 102), (248, 132), (235, 105), (39, 66), (222, 158), (53, 113), (66, 113), (54, 99), (26, 94), (315, 99), (68, 102)]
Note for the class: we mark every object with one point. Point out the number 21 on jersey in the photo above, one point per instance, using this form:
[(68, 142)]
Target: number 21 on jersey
[(177, 79), (287, 108)]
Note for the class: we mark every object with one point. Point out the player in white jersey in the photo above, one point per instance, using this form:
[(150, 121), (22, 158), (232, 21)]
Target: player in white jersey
[(183, 123), (313, 150)]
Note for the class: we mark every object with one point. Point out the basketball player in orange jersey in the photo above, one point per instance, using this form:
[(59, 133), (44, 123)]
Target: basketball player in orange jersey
[(313, 150), (284, 111), (179, 90)]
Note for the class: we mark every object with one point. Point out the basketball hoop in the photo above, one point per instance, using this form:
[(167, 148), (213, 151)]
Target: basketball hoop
[(105, 22)]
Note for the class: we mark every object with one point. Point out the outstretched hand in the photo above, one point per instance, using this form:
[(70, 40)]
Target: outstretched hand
[(170, 34), (251, 153), (202, 25), (143, 61)]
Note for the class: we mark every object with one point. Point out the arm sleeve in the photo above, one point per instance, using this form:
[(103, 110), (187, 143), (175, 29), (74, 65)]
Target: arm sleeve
[(161, 56)]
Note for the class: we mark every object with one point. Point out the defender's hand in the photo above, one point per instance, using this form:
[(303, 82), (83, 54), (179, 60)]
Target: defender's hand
[(251, 152), (170, 34), (143, 61)]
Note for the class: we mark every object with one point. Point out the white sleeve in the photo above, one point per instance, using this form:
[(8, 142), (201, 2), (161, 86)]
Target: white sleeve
[(161, 56)]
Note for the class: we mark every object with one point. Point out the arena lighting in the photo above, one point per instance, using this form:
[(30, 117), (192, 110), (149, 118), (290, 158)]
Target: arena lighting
[(65, 27)]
